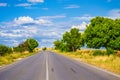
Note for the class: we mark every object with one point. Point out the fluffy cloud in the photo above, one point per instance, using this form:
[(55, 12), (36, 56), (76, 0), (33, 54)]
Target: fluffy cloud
[(3, 4), (115, 13), (5, 34), (43, 22), (82, 26), (36, 1), (25, 31), (23, 20), (28, 20), (72, 6)]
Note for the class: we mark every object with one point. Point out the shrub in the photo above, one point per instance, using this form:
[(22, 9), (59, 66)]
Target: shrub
[(98, 53), (44, 48), (4, 50)]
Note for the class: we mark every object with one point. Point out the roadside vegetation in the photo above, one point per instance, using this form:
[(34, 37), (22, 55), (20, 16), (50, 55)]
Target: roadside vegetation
[(9, 55), (100, 33)]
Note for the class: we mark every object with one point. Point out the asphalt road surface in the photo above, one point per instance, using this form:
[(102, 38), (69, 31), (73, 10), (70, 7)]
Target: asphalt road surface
[(51, 66)]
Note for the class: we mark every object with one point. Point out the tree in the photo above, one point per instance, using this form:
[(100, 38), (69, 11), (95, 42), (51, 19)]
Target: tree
[(60, 45), (71, 41), (32, 43), (27, 45), (103, 32)]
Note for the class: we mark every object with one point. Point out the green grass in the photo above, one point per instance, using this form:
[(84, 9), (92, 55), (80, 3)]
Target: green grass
[(97, 58), (10, 58)]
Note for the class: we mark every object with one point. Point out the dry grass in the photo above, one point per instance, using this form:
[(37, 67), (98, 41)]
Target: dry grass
[(110, 63), (9, 58)]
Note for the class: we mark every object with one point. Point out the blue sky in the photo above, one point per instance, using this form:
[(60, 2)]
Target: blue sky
[(47, 20)]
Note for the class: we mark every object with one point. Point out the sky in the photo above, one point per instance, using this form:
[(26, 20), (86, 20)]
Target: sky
[(48, 20)]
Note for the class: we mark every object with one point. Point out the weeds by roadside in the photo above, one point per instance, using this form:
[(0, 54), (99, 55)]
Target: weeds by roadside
[(9, 58)]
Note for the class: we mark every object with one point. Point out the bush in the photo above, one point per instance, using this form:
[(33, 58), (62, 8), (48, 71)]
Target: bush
[(98, 53), (110, 51), (4, 50), (44, 48)]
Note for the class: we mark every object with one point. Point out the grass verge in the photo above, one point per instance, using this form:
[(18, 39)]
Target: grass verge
[(110, 63), (9, 58)]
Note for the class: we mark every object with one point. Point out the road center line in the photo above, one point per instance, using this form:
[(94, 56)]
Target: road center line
[(47, 74)]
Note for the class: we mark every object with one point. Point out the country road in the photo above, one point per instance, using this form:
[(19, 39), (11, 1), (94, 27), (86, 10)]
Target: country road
[(51, 66)]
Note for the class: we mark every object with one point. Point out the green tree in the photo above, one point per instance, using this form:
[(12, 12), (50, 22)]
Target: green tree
[(103, 32), (27, 45), (32, 43), (71, 41), (60, 45)]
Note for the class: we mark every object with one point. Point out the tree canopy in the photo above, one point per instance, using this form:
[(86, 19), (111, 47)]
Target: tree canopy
[(71, 41), (103, 32), (32, 43)]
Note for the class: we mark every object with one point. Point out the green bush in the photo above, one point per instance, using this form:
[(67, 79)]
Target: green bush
[(110, 51), (98, 53), (4, 50), (44, 48)]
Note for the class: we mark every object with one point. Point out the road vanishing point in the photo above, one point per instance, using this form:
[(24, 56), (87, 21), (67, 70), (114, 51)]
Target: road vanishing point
[(48, 65)]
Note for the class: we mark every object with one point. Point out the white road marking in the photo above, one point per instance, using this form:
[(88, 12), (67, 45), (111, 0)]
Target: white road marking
[(47, 74)]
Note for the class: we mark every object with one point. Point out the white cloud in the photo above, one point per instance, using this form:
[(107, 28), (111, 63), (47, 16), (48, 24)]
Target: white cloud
[(24, 5), (72, 6), (82, 26), (23, 20), (43, 22), (14, 42), (3, 4), (10, 35), (51, 34), (53, 17), (83, 18), (36, 1), (30, 30), (29, 20), (115, 13)]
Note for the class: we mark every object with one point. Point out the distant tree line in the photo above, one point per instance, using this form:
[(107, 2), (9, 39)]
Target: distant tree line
[(28, 45), (101, 32)]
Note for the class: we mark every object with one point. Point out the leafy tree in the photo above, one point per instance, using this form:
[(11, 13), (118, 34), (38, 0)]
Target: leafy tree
[(27, 45), (32, 43), (60, 45), (71, 41), (103, 32)]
